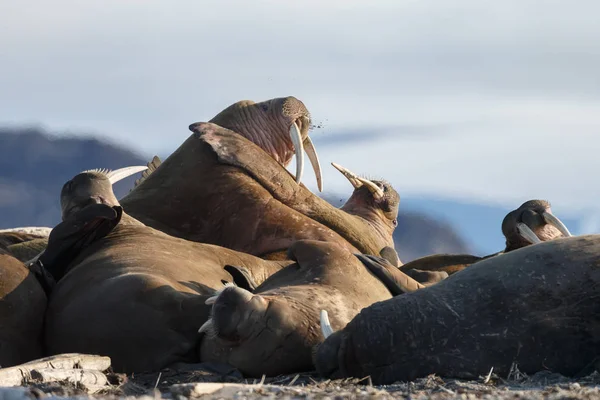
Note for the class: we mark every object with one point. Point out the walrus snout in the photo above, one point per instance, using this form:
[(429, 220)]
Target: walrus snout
[(233, 308)]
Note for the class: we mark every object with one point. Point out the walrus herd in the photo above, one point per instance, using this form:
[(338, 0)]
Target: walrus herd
[(220, 255)]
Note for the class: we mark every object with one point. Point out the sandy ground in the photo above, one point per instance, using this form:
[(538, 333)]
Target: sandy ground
[(207, 384)]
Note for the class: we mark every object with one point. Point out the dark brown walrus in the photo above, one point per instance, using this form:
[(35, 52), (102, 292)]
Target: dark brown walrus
[(272, 331), (538, 307), (126, 290), (22, 308), (220, 188), (531, 223)]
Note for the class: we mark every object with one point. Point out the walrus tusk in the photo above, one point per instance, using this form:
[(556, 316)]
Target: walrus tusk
[(326, 328), (358, 182), (527, 233), (557, 223), (122, 173), (375, 190), (299, 147), (206, 326), (311, 152), (351, 176), (211, 300)]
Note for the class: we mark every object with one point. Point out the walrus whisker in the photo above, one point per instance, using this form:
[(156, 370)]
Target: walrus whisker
[(296, 138), (557, 223), (326, 328), (527, 233)]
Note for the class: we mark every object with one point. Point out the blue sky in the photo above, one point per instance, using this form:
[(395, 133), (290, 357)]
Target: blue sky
[(481, 102)]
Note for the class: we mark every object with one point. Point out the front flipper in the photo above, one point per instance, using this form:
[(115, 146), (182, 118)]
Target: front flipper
[(427, 278), (390, 254), (451, 263), (395, 280), (80, 230), (241, 277)]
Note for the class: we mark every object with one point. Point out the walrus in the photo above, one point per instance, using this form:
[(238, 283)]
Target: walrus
[(129, 291), (537, 306), (272, 330), (22, 308), (531, 223), (220, 188), (24, 243)]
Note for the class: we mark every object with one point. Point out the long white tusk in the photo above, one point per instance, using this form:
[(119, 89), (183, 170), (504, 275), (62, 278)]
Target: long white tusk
[(206, 327), (375, 190), (122, 173), (299, 147), (326, 328), (527, 233), (311, 152), (351, 176), (557, 223)]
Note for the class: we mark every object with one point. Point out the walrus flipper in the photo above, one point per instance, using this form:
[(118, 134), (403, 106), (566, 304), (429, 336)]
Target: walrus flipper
[(395, 280), (78, 231), (241, 277)]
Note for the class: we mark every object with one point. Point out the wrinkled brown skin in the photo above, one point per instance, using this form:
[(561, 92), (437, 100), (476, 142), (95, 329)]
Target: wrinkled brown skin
[(23, 246), (137, 295), (273, 331), (267, 124), (219, 188), (22, 308), (529, 213), (538, 306)]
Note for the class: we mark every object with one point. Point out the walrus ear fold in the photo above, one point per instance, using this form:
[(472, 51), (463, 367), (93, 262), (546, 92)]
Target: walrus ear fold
[(390, 254), (241, 277), (395, 280)]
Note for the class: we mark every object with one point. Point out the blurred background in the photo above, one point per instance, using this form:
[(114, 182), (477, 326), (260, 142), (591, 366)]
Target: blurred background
[(468, 107)]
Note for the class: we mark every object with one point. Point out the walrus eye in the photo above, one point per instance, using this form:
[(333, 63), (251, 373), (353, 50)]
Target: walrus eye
[(395, 222), (264, 107)]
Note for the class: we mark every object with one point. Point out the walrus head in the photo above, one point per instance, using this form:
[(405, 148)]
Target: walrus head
[(92, 187), (279, 126), (531, 223), (375, 201)]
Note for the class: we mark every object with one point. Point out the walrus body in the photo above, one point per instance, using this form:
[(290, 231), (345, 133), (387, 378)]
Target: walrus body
[(22, 308), (24, 245), (137, 295), (220, 188), (531, 223), (272, 331), (538, 307)]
